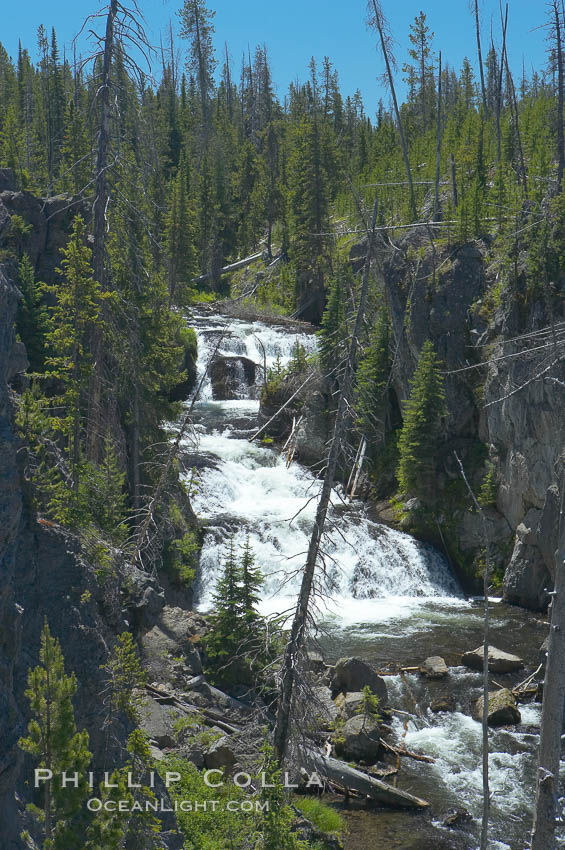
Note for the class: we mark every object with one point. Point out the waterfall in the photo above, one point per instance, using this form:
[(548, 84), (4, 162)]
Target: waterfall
[(248, 489)]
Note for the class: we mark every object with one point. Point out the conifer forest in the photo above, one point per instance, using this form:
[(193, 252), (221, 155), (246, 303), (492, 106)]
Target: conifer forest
[(282, 479)]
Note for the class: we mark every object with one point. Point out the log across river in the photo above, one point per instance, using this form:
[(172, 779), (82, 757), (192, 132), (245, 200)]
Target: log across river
[(391, 599)]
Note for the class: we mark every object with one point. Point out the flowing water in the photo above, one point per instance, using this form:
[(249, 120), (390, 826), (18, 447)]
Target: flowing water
[(383, 596)]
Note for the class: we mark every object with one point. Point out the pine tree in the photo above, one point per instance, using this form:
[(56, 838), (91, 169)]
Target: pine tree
[(310, 215), (180, 240), (71, 322), (332, 335), (197, 26), (54, 740), (252, 582), (420, 438), (224, 641), (372, 380), (32, 315)]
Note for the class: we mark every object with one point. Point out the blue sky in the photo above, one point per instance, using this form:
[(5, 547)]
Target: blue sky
[(298, 29)]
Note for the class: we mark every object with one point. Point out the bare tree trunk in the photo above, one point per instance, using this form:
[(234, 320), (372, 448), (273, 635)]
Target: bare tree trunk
[(499, 90), (547, 783), (453, 181), (486, 629), (560, 87), (480, 55), (100, 209), (437, 214), (379, 23), (298, 630), (516, 119)]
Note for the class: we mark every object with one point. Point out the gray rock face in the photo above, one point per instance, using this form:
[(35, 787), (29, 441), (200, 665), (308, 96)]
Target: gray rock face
[(434, 667), (498, 661), (502, 709), (169, 639), (358, 739), (353, 674), (220, 755), (349, 704), (519, 419), (325, 709), (10, 613), (158, 721)]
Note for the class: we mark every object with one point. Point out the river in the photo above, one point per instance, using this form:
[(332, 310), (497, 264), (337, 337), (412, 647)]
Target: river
[(385, 597)]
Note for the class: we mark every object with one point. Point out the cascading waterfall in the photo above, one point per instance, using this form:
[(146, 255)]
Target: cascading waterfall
[(383, 590), (248, 489)]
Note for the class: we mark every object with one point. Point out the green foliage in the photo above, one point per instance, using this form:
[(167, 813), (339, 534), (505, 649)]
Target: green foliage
[(181, 558), (420, 438), (53, 740), (236, 645), (126, 677), (31, 317), (333, 332), (277, 819), (487, 494), (137, 824), (372, 381), (324, 817), (369, 706)]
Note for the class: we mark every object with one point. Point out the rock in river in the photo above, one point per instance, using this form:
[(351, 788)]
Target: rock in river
[(358, 739), (498, 661), (434, 667), (353, 674), (502, 710)]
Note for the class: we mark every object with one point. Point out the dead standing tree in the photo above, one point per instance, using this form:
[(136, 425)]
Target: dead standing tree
[(547, 780), (377, 20), (299, 625), (123, 27)]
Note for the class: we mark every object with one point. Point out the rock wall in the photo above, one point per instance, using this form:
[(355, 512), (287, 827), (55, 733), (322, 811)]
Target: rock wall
[(44, 573), (506, 405), (12, 360)]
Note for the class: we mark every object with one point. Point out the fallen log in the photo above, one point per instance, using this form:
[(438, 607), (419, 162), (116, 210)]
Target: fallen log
[(209, 716), (402, 751), (340, 773), (232, 267)]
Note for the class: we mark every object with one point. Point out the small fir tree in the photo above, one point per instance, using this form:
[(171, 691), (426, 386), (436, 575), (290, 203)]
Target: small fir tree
[(423, 421)]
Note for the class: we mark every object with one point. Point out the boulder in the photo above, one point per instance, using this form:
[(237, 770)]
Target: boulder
[(456, 818), (498, 660), (158, 720), (231, 377), (349, 704), (220, 755), (444, 703), (168, 643), (353, 674), (502, 710), (434, 667), (325, 708), (358, 739)]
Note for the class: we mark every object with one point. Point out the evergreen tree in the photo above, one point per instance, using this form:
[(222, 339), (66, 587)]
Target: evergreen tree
[(332, 335), (32, 315), (372, 380), (71, 322), (420, 438), (53, 739), (198, 28), (309, 207), (251, 584)]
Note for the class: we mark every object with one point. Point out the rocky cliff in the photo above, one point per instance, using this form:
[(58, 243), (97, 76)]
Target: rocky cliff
[(44, 573), (504, 377)]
